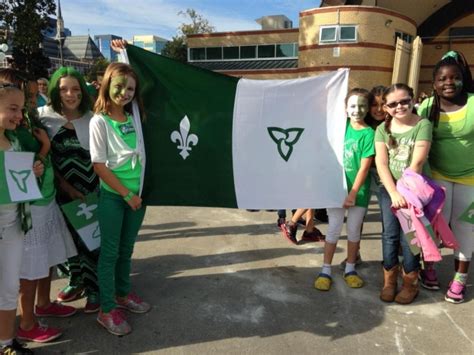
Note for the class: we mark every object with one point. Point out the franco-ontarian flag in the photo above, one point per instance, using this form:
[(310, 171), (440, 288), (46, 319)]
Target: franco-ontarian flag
[(17, 180), (221, 141)]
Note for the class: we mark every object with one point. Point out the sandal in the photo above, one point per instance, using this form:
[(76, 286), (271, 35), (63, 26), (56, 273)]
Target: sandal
[(323, 282), (353, 280)]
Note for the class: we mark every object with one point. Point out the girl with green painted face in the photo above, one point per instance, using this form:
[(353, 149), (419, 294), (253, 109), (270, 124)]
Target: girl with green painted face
[(451, 109), (358, 156), (118, 155)]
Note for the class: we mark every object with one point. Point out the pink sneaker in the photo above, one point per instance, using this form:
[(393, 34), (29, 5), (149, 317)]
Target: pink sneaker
[(455, 292), (55, 309), (114, 322), (133, 303), (92, 304), (39, 333)]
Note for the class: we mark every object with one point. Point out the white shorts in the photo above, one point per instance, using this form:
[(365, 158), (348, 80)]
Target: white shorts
[(11, 252)]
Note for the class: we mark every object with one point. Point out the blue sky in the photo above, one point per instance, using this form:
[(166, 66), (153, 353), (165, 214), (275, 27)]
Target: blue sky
[(158, 17)]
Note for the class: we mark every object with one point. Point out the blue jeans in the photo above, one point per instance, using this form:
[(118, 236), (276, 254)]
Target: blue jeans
[(393, 238)]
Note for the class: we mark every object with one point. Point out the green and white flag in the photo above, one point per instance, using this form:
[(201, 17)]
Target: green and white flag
[(216, 140), (17, 180), (83, 217), (468, 214)]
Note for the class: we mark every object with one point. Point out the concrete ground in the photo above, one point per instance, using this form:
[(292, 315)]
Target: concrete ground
[(225, 281)]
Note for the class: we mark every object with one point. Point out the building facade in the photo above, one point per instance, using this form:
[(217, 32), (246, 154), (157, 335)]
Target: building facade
[(103, 42), (360, 35), (151, 43)]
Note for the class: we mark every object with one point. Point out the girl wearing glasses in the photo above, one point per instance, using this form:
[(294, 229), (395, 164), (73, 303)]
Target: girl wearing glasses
[(403, 141), (451, 109)]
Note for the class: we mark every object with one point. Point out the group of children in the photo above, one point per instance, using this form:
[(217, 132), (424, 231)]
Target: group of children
[(386, 138), (77, 152), (101, 151)]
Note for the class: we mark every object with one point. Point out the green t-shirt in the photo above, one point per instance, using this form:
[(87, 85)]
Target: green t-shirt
[(400, 156), (452, 150), (129, 177), (46, 181), (358, 144)]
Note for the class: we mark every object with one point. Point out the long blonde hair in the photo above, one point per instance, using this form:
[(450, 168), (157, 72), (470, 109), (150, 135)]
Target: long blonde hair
[(102, 105)]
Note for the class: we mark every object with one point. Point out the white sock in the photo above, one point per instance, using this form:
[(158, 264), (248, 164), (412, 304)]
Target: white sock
[(350, 267), (326, 269)]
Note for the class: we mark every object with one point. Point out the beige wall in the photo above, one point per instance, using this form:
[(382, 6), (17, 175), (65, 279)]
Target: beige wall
[(371, 58)]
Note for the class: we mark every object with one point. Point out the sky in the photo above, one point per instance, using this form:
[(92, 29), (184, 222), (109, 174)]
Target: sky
[(126, 18)]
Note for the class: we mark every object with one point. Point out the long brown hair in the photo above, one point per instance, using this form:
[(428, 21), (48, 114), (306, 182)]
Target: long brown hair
[(102, 104)]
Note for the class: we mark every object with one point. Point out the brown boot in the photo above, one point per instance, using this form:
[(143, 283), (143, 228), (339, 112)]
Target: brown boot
[(389, 284), (409, 289)]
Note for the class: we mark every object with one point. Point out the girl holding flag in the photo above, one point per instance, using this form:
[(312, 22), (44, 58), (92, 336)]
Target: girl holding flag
[(118, 155), (358, 157), (13, 223)]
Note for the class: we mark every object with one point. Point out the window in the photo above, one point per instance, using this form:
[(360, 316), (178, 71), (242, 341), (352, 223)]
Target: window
[(285, 50), (347, 33), (327, 34), (248, 52), (337, 33), (214, 53), (231, 52), (404, 36), (266, 51), (197, 53)]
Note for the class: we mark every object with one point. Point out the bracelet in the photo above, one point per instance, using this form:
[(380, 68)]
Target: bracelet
[(129, 196)]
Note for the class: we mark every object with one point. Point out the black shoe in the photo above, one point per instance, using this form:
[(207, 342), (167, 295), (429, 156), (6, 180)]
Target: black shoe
[(281, 221), (15, 348)]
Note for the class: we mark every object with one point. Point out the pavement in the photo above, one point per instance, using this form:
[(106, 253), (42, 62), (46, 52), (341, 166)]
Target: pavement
[(224, 281)]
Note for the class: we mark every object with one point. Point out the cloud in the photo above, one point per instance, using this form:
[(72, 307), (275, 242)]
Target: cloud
[(127, 18)]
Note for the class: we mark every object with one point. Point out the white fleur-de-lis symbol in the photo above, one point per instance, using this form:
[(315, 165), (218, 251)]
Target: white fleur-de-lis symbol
[(183, 138), (86, 210)]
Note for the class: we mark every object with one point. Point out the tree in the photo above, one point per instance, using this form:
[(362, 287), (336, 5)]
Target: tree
[(177, 48), (97, 69), (26, 20)]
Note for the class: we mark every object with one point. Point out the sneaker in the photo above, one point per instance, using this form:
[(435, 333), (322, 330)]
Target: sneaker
[(314, 236), (92, 304), (114, 322), (39, 333), (455, 292), (342, 265), (280, 221), (428, 277), (70, 293), (55, 309), (289, 232), (15, 348), (133, 303)]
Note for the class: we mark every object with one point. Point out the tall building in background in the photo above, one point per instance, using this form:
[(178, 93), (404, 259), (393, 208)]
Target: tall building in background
[(103, 43), (151, 43)]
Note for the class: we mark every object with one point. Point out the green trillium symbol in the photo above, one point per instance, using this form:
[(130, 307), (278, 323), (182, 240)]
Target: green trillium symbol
[(20, 178), (285, 139)]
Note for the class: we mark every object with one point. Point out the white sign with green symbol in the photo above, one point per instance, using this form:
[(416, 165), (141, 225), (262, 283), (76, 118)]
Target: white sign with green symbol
[(17, 180), (468, 214), (83, 217)]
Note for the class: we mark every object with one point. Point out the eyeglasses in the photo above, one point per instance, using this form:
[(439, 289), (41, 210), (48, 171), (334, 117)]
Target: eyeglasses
[(404, 102)]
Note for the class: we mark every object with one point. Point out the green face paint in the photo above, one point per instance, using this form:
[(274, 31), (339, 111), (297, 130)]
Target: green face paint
[(118, 88)]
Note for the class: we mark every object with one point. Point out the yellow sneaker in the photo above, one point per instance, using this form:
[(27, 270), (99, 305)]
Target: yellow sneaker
[(353, 280), (323, 282)]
